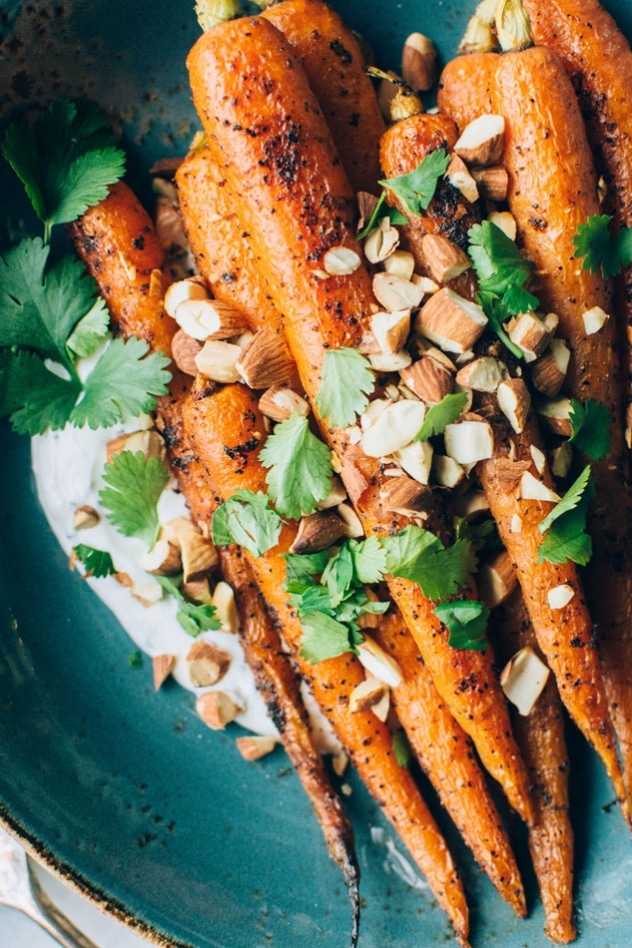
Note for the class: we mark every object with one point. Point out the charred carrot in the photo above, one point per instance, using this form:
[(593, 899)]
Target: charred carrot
[(540, 735), (550, 168), (227, 430), (112, 227), (447, 756), (296, 210), (334, 63), (464, 90)]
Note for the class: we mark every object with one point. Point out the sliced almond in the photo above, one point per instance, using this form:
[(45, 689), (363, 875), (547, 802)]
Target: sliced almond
[(594, 319), (451, 321), (198, 553), (379, 663), (280, 402), (217, 361), (419, 62), (318, 531), (391, 330), (255, 746), (555, 414), (482, 375), (182, 291), (533, 489), (523, 679), (416, 460), (496, 580), (405, 496), (216, 709), (530, 333), (341, 261), (446, 471), (367, 694), (559, 596), (206, 663), (459, 176), (493, 182), (148, 441), (428, 379), (514, 402), (482, 141), (444, 259), (469, 441), (396, 294), (265, 361), (351, 520), (400, 263), (395, 427), (85, 517), (162, 666), (223, 600)]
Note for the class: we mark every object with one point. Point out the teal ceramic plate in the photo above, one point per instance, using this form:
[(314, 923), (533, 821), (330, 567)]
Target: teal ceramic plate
[(124, 791)]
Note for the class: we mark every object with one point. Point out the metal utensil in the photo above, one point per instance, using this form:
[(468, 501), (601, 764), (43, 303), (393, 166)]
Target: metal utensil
[(20, 888)]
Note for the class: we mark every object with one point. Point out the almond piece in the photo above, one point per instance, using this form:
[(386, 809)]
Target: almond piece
[(451, 321), (514, 402), (351, 520), (337, 494), (530, 333), (505, 221), (198, 553), (181, 291), (280, 401), (468, 442), (206, 663), (367, 694), (184, 349), (496, 580), (85, 517), (447, 472), (549, 371), (482, 141), (163, 560), (492, 182), (555, 414), (594, 319), (444, 259), (381, 242), (396, 294), (533, 489), (199, 590), (561, 459), (523, 679), (162, 666), (318, 531), (255, 746), (482, 375), (223, 600), (395, 427), (419, 62), (416, 460), (367, 203), (428, 379), (459, 176), (341, 261), (390, 361), (148, 441), (217, 361), (400, 263), (354, 481), (391, 330), (405, 496), (265, 361), (216, 709), (559, 596), (379, 663)]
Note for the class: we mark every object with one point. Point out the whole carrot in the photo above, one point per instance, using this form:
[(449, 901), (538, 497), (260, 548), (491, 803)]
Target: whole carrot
[(296, 209), (464, 90)]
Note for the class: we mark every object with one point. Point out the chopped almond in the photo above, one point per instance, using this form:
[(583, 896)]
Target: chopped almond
[(379, 663), (459, 176), (530, 333), (381, 242), (184, 349), (217, 360), (216, 709), (162, 666), (207, 664), (416, 460), (428, 379), (85, 517), (391, 329), (400, 263), (493, 182), (265, 361), (560, 596), (367, 694), (496, 580), (223, 600), (555, 415), (533, 489), (482, 141), (482, 375), (523, 679), (341, 261), (405, 496), (182, 291), (280, 401), (451, 321), (444, 259), (147, 440), (255, 746), (469, 441), (198, 553), (594, 319), (549, 371), (318, 531), (514, 402), (396, 294), (395, 427)]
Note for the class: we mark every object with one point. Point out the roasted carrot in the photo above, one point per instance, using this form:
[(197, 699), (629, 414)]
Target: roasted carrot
[(112, 227), (227, 430), (552, 191), (295, 210), (447, 756), (333, 61), (540, 735), (464, 90)]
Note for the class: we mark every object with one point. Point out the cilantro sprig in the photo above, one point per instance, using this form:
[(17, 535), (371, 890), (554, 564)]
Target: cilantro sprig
[(590, 428), (416, 189), (598, 248), (418, 555), (193, 617), (246, 518), (502, 274), (65, 158), (346, 382), (565, 525), (300, 470), (439, 416), (466, 621), (98, 563), (134, 486)]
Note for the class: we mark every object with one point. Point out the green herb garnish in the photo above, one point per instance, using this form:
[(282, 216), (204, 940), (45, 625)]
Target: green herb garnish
[(134, 486)]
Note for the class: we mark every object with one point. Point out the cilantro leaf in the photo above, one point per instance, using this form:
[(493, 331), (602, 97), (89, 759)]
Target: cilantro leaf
[(246, 518), (302, 567), (417, 188), (98, 563), (498, 314), (597, 247), (466, 622), (311, 598), (401, 748), (35, 398), (300, 467), (338, 575), (347, 381), (497, 261), (324, 637), (420, 556), (193, 617), (65, 159), (135, 660), (90, 331), (442, 414), (124, 381), (590, 426), (369, 559), (135, 484), (565, 525)]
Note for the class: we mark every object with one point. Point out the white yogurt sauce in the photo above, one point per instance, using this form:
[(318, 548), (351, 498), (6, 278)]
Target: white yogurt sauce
[(68, 467)]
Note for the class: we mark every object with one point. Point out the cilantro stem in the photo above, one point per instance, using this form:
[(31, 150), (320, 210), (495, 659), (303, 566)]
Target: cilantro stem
[(48, 229)]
